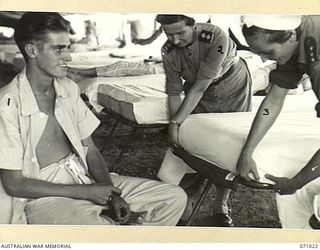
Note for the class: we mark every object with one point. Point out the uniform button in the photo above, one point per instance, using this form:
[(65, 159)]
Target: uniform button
[(42, 115), (34, 159)]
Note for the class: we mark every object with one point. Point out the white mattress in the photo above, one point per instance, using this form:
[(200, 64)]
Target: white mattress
[(292, 140), (287, 147), (283, 152), (142, 99)]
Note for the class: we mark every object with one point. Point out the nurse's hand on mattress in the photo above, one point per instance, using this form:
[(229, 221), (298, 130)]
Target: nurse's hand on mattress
[(282, 185), (246, 165)]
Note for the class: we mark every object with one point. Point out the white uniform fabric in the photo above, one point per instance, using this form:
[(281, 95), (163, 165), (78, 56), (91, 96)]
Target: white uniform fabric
[(158, 204), (272, 22), (284, 151), (22, 125)]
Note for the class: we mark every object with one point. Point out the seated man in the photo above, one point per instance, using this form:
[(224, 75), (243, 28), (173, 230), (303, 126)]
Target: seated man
[(51, 170)]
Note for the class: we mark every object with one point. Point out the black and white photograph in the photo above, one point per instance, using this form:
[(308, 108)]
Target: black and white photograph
[(165, 119)]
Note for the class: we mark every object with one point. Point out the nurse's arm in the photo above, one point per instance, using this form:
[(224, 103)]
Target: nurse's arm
[(267, 114)]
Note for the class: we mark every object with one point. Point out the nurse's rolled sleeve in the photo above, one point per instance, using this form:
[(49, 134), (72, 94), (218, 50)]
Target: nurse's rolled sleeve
[(211, 67), (11, 149), (87, 121)]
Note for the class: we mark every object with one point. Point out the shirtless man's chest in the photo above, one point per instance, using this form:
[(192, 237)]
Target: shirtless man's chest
[(53, 144)]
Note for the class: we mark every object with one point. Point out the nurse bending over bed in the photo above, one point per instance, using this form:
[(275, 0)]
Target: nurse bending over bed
[(293, 42)]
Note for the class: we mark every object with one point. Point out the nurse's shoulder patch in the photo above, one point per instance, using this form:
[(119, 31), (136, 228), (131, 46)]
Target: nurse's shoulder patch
[(206, 36), (166, 48), (310, 46)]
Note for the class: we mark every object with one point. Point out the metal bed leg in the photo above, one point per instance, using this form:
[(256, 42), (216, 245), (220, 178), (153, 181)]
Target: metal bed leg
[(199, 202)]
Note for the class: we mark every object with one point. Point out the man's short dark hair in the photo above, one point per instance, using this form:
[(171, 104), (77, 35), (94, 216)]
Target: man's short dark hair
[(275, 36), (34, 27), (171, 19)]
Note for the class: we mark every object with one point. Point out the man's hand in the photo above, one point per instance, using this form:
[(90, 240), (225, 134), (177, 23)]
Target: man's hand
[(100, 193), (282, 185), (121, 208), (174, 135), (247, 165)]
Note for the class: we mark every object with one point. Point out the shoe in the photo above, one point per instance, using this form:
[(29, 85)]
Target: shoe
[(222, 220), (314, 222)]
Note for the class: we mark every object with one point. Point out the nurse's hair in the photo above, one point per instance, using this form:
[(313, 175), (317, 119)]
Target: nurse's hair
[(275, 36), (33, 27), (171, 19)]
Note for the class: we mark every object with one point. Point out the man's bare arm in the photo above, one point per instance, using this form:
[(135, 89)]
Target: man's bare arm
[(97, 166), (15, 184), (309, 173)]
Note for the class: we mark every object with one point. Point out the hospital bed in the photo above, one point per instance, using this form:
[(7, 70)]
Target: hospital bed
[(216, 140), (141, 101)]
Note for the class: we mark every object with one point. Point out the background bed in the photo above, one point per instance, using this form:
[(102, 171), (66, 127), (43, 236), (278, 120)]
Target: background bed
[(142, 99)]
